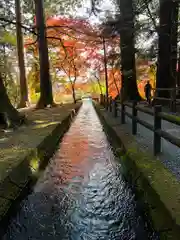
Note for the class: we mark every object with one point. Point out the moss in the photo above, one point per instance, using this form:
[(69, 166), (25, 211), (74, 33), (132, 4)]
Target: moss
[(34, 164), (44, 125), (173, 118), (160, 179), (28, 150), (4, 206), (155, 185)]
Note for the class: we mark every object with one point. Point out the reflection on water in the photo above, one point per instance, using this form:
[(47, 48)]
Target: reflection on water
[(81, 194)]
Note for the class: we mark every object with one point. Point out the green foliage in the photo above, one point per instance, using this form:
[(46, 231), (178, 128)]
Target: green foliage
[(34, 98), (33, 78), (95, 88), (8, 38)]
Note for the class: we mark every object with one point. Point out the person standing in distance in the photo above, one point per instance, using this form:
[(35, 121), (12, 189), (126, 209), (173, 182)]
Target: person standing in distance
[(147, 91)]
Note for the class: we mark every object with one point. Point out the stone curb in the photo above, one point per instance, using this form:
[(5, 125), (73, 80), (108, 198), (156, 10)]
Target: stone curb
[(155, 185), (21, 179)]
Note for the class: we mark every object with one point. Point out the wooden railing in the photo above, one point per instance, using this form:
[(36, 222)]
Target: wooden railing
[(172, 99), (156, 112)]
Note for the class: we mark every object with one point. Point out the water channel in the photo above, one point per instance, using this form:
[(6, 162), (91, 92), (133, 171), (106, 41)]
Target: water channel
[(82, 194)]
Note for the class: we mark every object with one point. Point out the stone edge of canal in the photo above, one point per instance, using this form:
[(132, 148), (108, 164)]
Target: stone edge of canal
[(155, 186), (27, 172)]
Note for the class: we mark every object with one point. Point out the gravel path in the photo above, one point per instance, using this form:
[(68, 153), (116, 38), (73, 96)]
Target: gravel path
[(170, 155)]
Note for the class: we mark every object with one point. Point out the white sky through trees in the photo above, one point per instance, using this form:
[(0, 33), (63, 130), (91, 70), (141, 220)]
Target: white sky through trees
[(85, 11)]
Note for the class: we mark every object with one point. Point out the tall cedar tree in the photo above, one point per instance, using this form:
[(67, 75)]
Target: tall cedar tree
[(20, 50), (46, 97), (128, 68), (8, 114), (167, 46), (178, 75)]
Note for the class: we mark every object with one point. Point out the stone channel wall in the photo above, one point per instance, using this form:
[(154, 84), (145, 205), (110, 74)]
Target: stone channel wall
[(20, 179), (156, 187)]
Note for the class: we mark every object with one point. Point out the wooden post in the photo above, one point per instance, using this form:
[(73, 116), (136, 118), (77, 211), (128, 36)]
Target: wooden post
[(110, 104), (134, 115), (107, 103), (157, 126), (101, 99), (155, 95), (115, 108), (104, 100), (122, 113), (173, 100)]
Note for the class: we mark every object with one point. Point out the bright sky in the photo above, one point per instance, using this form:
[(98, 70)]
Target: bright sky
[(85, 10), (108, 7)]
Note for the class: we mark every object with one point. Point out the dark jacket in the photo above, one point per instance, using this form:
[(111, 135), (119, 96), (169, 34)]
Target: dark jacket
[(147, 89)]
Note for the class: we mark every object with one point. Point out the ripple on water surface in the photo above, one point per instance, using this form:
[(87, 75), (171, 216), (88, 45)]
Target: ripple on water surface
[(81, 195)]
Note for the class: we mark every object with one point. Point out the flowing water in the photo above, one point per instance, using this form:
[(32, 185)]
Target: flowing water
[(82, 194)]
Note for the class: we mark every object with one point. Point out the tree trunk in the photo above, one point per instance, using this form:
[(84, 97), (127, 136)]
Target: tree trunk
[(105, 67), (20, 49), (99, 84), (46, 97), (129, 90), (73, 93), (174, 40), (167, 55), (115, 83), (178, 75), (9, 115)]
